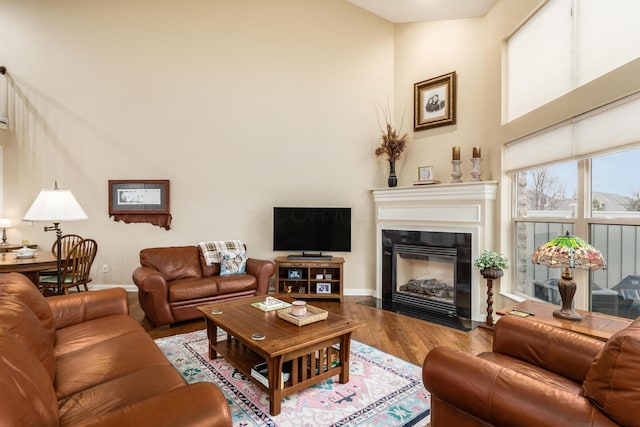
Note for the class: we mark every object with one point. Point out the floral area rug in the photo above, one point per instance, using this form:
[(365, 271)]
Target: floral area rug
[(382, 390)]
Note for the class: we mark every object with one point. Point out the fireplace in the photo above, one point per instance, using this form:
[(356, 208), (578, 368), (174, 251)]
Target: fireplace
[(424, 276), (428, 271), (430, 234)]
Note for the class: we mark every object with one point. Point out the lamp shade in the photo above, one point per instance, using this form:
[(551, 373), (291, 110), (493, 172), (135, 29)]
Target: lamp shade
[(55, 206), (5, 223), (569, 251)]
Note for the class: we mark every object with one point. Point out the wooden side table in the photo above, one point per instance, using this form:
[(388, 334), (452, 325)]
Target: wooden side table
[(596, 325)]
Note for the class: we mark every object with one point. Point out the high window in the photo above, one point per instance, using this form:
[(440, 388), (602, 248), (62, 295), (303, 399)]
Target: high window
[(564, 45), (578, 174)]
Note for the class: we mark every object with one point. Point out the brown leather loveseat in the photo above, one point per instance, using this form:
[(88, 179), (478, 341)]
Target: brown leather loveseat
[(537, 375), (173, 281), (81, 360)]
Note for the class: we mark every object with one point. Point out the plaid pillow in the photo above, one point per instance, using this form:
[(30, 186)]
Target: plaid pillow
[(211, 250)]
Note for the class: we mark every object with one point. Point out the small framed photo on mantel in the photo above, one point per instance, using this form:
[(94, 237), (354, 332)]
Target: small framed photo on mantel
[(425, 176), (434, 102)]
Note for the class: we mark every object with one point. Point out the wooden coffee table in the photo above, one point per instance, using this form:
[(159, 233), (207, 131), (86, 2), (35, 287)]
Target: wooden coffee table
[(305, 351)]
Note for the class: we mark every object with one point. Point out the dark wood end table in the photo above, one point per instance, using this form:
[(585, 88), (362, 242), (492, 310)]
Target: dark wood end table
[(596, 325)]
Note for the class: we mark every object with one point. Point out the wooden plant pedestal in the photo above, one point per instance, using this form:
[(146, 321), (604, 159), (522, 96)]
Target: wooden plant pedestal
[(490, 274)]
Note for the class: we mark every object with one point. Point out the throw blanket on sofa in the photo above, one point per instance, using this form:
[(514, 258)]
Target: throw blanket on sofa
[(211, 250)]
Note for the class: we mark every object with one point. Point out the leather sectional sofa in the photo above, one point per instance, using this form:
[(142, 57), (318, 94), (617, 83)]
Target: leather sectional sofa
[(81, 360), (537, 375), (173, 281)]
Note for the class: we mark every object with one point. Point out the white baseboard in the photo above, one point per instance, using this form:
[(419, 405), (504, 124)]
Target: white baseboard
[(98, 286), (346, 292)]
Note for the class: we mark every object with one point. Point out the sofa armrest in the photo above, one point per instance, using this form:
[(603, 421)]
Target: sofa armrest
[(153, 294), (150, 280), (199, 404), (262, 270), (561, 351), (501, 396), (77, 308)]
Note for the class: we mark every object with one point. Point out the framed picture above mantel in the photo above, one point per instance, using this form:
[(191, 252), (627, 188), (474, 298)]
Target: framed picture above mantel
[(434, 102), (140, 201)]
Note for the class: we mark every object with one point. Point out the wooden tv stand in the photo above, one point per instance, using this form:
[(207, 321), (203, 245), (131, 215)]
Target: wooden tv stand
[(312, 278)]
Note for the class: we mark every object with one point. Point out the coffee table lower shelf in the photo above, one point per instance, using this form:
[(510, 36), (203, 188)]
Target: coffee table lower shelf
[(310, 365)]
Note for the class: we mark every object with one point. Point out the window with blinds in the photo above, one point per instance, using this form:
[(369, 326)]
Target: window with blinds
[(564, 45)]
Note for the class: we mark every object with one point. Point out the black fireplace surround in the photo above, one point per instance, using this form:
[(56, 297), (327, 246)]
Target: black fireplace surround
[(458, 244)]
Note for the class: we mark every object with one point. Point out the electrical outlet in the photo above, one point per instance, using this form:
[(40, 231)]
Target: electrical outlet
[(105, 268)]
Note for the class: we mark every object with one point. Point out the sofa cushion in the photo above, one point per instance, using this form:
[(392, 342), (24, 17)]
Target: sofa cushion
[(236, 283), (28, 398), (192, 289), (85, 334), (119, 393), (21, 288), (613, 382), (233, 262), (18, 319), (176, 262), (104, 361)]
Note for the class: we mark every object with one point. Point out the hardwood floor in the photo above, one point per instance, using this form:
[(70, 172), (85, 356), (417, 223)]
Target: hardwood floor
[(405, 337)]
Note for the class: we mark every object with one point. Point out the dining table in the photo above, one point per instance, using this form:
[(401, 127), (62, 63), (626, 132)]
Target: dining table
[(30, 267)]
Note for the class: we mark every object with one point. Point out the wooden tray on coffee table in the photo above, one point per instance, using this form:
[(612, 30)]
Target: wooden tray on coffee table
[(314, 314)]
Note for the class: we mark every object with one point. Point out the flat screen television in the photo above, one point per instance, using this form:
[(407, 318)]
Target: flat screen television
[(311, 231)]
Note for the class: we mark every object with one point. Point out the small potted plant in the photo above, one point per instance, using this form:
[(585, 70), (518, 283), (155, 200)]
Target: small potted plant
[(491, 264)]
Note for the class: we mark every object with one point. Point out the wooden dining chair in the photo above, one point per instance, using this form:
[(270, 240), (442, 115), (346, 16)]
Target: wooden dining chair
[(76, 267), (67, 242)]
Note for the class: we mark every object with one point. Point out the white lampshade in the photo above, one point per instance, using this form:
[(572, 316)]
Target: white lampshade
[(55, 206), (5, 223)]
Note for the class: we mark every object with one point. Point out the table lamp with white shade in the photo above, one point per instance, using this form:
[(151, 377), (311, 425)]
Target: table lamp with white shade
[(4, 224), (56, 206)]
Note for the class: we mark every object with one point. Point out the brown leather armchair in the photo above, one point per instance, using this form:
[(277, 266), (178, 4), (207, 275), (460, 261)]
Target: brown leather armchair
[(173, 281), (537, 375)]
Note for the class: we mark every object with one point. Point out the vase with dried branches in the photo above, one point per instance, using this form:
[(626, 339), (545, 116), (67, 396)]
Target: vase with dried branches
[(392, 146)]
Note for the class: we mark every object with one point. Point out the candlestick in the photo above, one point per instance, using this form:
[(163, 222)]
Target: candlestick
[(456, 153), (456, 174), (475, 171), (476, 152)]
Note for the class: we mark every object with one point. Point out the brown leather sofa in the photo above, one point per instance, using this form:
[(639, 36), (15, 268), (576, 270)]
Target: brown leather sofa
[(173, 281), (537, 375), (81, 360)]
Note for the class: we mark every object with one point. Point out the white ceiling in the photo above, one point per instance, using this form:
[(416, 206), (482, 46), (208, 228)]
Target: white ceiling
[(398, 11)]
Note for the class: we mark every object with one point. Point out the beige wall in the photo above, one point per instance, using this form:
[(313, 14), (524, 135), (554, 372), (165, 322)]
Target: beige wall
[(473, 49), (243, 105)]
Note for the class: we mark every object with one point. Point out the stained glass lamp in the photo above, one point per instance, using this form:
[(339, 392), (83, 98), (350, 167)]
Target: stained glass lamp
[(568, 252)]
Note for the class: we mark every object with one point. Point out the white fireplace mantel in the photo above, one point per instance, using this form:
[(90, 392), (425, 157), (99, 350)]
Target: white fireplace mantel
[(454, 208)]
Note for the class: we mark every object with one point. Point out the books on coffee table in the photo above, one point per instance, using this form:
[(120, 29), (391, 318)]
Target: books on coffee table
[(261, 373), (270, 303)]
